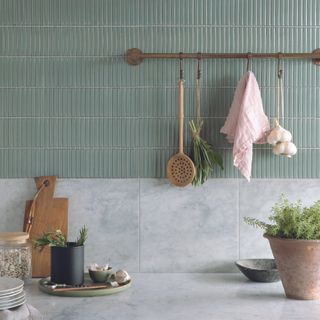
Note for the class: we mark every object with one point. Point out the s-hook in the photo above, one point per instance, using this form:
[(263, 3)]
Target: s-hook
[(280, 89), (181, 66), (249, 55), (280, 71), (198, 65)]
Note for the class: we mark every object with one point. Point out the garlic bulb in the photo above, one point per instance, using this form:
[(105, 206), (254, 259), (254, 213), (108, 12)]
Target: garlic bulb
[(278, 148), (286, 148), (278, 134), (290, 149), (274, 135), (122, 276)]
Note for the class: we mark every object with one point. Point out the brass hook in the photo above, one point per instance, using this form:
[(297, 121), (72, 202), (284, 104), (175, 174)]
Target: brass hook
[(248, 61), (199, 69), (280, 71), (181, 66)]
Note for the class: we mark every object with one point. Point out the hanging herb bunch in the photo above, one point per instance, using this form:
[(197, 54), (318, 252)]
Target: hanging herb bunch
[(202, 154)]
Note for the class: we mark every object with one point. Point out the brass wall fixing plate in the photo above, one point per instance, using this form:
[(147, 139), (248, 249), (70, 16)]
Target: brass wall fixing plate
[(316, 61), (133, 56)]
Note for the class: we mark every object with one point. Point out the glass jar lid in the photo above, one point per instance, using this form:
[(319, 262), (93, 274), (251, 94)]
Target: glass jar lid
[(13, 237)]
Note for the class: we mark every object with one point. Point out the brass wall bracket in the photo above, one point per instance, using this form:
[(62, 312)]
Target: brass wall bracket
[(316, 61), (133, 56)]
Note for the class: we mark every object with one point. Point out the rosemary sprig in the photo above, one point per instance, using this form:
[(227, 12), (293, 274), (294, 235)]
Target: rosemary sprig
[(83, 235), (203, 155)]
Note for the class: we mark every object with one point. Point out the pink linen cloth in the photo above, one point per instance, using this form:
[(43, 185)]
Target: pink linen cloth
[(246, 123)]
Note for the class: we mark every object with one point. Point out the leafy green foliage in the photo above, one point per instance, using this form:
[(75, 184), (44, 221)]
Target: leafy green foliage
[(57, 239), (51, 239), (291, 221), (203, 156)]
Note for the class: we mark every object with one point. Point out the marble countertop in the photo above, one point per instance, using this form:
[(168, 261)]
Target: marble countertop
[(180, 296)]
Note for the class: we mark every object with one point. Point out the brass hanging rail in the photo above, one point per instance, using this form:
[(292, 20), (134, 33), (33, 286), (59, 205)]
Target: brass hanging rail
[(135, 56)]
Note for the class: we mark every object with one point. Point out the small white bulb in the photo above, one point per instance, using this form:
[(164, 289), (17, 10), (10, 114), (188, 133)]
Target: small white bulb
[(290, 149), (274, 135), (285, 135), (278, 148)]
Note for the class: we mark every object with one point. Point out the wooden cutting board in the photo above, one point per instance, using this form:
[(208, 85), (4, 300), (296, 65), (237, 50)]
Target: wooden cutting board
[(50, 214)]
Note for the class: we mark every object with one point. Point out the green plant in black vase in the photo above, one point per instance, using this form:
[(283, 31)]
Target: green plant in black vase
[(57, 239)]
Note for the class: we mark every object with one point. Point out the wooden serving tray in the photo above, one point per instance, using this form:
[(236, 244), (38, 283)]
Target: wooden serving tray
[(83, 293)]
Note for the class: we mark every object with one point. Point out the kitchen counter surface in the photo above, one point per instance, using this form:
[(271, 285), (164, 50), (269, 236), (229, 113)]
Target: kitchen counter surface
[(180, 296)]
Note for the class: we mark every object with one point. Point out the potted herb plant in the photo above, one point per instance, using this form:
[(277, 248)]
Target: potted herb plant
[(67, 258), (294, 237)]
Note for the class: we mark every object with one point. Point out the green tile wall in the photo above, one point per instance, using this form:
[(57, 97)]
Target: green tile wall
[(71, 106)]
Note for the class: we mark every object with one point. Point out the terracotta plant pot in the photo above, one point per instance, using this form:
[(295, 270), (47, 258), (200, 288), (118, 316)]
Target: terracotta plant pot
[(298, 262)]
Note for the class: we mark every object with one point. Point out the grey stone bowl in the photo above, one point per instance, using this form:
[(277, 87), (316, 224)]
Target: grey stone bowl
[(259, 270)]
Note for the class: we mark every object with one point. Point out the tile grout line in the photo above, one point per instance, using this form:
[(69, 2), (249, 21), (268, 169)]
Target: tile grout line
[(142, 87), (123, 148), (141, 26), (139, 220), (139, 201), (238, 206), (128, 117)]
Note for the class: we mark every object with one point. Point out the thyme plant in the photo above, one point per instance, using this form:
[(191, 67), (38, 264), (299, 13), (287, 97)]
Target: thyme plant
[(291, 221)]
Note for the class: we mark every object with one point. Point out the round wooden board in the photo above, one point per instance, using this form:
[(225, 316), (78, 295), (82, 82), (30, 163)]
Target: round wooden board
[(83, 293)]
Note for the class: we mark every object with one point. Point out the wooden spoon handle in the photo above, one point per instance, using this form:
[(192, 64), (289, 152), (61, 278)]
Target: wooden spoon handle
[(181, 116)]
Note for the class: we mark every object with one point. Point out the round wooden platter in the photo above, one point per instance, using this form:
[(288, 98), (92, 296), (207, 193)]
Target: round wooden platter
[(83, 293)]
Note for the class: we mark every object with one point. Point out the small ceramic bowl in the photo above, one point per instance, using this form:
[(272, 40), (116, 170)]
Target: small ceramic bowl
[(100, 276), (259, 270)]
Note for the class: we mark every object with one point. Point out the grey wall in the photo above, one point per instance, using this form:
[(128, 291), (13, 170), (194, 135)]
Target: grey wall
[(147, 225)]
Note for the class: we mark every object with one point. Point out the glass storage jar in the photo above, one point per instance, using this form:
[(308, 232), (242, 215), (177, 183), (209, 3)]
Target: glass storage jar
[(15, 255)]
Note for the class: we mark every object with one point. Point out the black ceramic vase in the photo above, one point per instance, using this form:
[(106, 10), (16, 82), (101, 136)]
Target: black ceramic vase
[(67, 264)]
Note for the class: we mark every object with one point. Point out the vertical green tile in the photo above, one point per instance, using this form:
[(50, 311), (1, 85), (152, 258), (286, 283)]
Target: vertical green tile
[(71, 106)]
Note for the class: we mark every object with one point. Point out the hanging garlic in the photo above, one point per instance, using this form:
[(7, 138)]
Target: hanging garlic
[(278, 134), (279, 137)]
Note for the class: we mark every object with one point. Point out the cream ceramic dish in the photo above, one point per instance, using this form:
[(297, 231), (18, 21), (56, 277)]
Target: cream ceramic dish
[(83, 293)]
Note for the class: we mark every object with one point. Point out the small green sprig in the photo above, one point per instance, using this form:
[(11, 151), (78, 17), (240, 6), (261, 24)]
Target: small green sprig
[(51, 239), (83, 235), (57, 239), (203, 155)]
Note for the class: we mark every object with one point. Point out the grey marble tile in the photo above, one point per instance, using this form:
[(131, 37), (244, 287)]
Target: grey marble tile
[(188, 229), (110, 209), (13, 194), (256, 200)]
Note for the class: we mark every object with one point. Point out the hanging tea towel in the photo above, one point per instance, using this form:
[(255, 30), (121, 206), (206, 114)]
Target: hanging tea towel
[(246, 123)]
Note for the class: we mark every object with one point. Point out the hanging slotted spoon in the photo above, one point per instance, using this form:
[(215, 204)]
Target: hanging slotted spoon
[(180, 168)]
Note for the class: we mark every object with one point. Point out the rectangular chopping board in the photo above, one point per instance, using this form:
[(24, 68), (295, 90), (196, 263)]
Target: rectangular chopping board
[(50, 214)]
